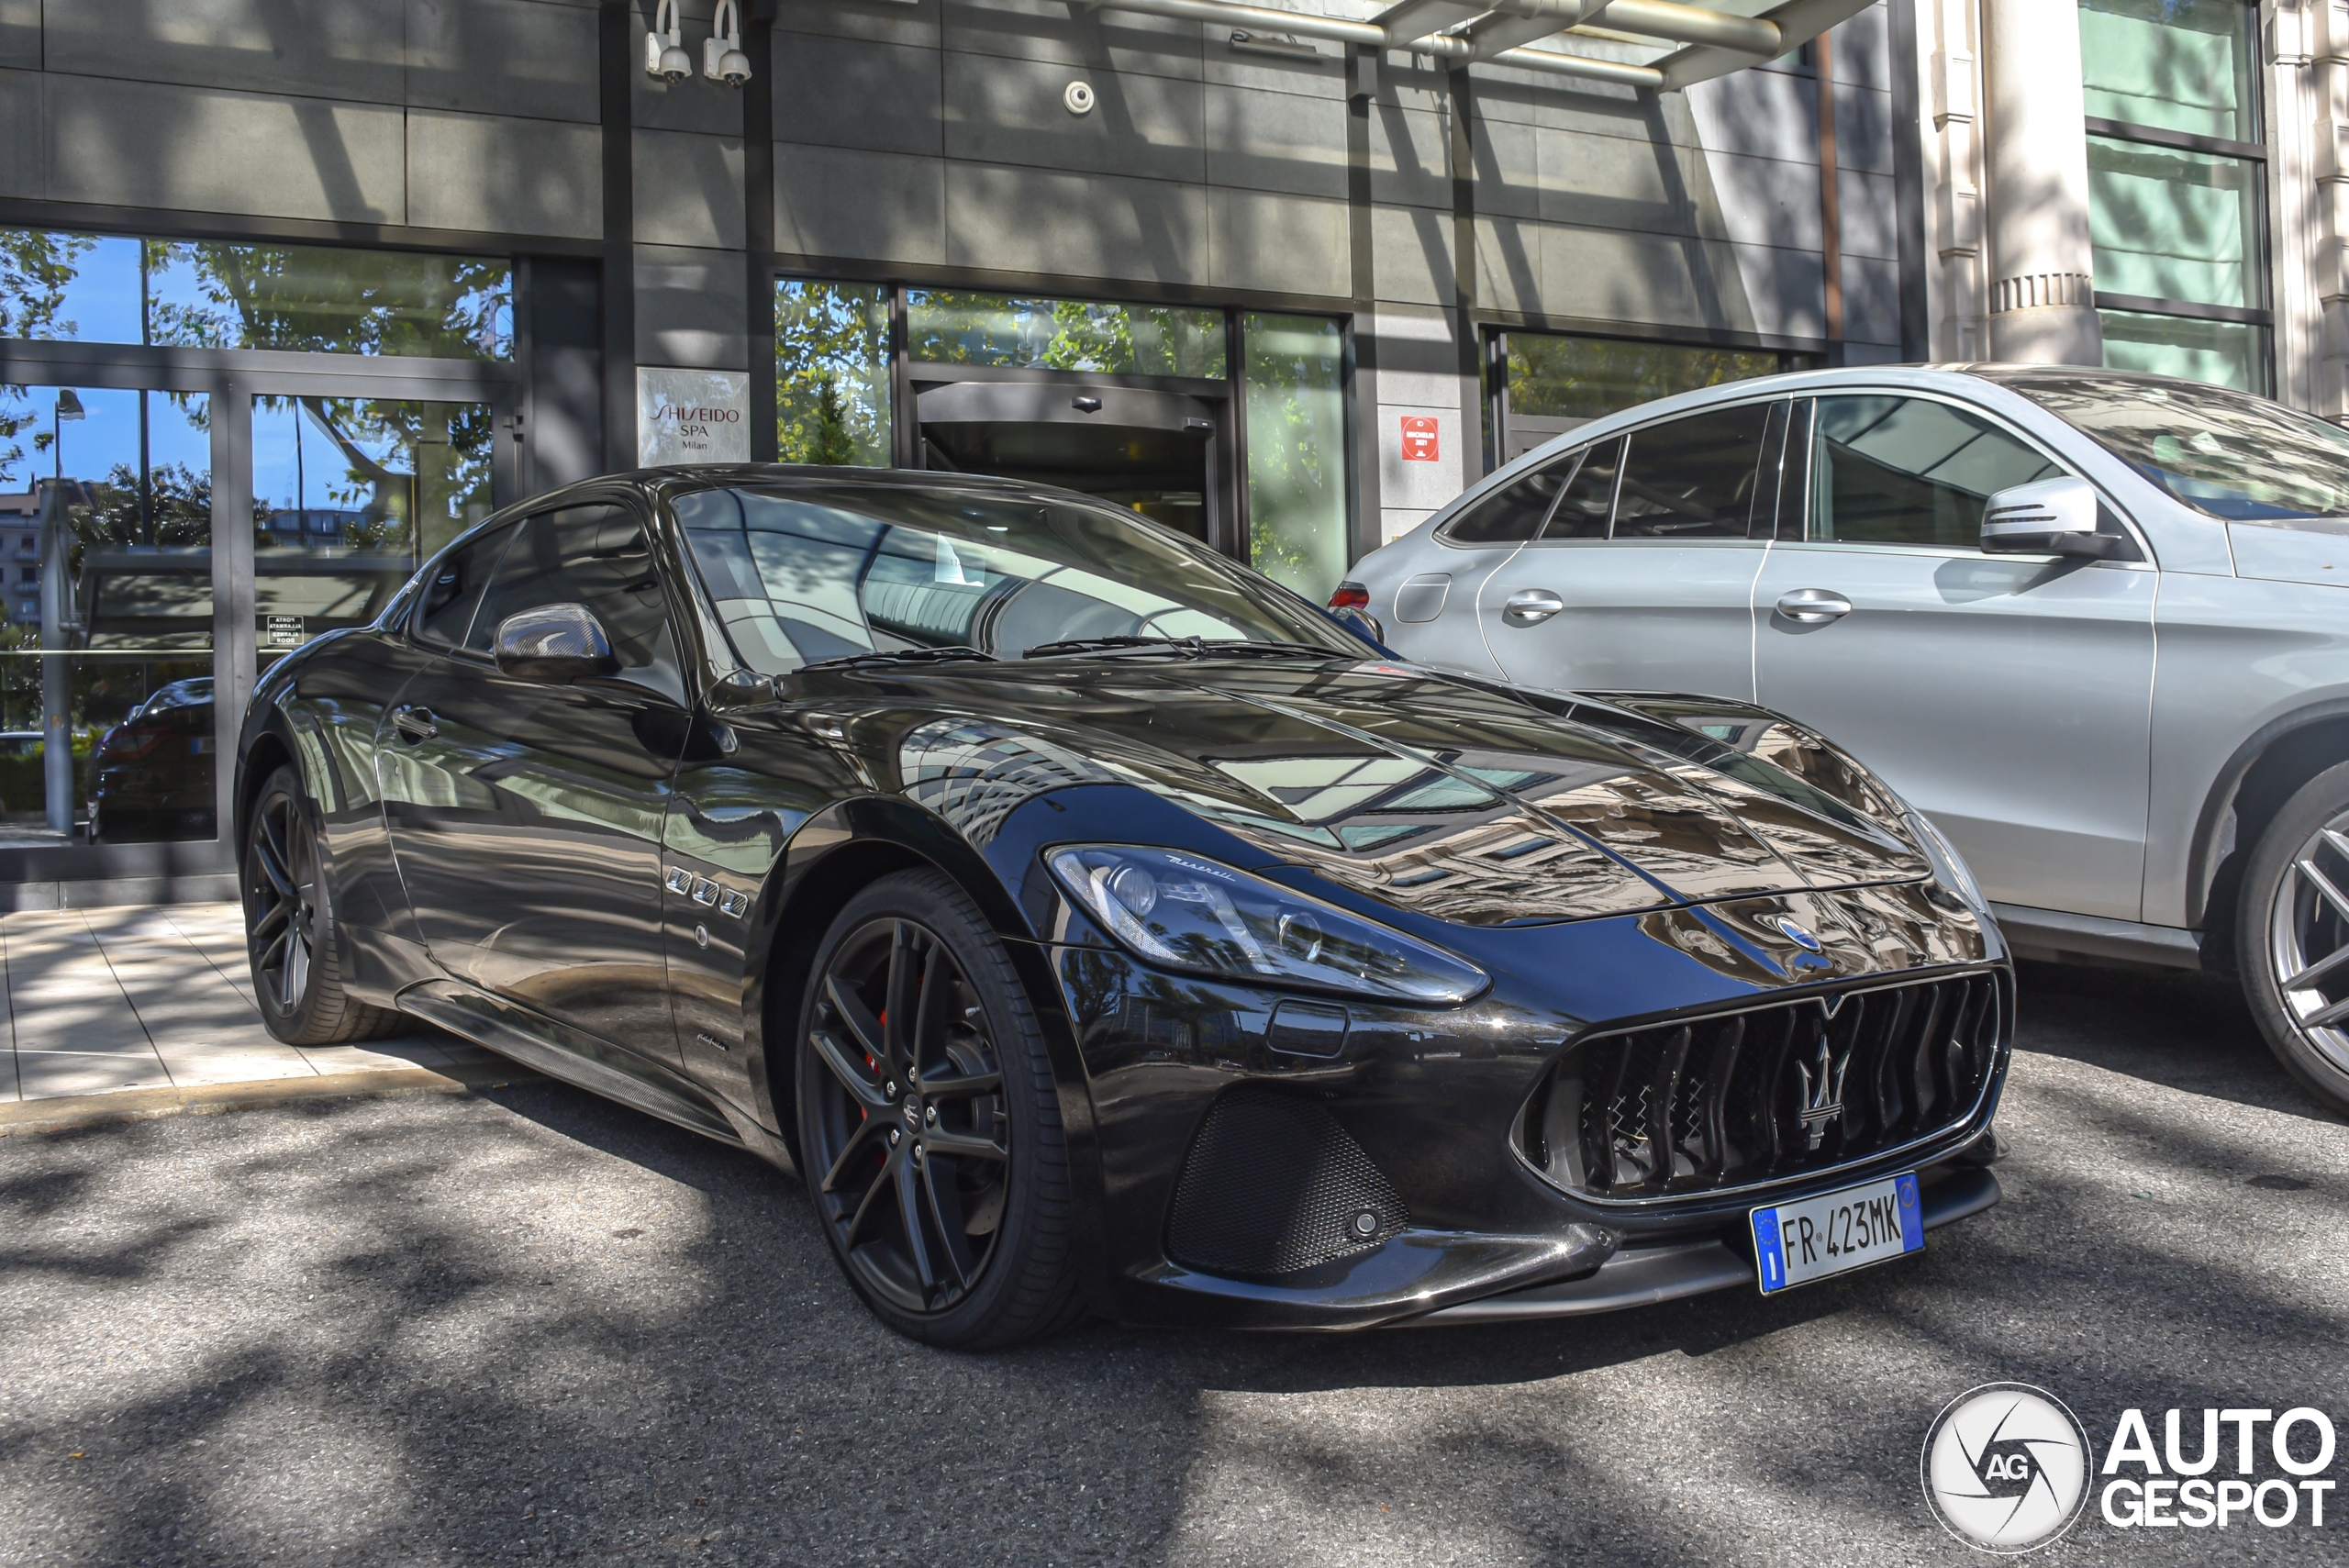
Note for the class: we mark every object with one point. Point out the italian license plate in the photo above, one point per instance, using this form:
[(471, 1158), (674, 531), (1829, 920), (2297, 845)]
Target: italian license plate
[(1795, 1243)]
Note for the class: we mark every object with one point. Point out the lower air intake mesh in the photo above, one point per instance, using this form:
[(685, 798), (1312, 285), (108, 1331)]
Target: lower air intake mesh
[(1273, 1184)]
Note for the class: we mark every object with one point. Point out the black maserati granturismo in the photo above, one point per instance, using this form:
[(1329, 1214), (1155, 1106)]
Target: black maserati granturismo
[(1099, 926)]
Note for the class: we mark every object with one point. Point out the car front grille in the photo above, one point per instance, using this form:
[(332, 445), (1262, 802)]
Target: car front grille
[(1694, 1106)]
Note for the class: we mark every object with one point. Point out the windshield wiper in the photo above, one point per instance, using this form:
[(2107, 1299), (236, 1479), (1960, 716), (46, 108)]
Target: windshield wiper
[(1179, 647), (958, 654)]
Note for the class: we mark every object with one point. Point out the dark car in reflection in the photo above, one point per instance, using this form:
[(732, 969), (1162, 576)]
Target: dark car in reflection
[(152, 772), (1099, 926)]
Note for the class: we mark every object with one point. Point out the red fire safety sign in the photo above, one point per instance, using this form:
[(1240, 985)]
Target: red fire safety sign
[(1420, 438)]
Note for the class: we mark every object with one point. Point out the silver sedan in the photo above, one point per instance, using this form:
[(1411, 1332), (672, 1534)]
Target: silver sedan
[(2090, 623)]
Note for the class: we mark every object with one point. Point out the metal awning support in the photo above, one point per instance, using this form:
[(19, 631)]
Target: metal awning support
[(1715, 43)]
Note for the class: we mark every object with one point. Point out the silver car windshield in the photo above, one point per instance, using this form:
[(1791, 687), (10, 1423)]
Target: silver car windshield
[(2223, 452), (810, 573)]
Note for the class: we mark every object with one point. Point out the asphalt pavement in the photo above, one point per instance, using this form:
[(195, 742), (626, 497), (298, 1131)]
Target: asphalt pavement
[(524, 1325)]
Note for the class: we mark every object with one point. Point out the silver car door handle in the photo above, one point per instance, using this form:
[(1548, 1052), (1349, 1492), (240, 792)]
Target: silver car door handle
[(1813, 607), (414, 724), (1531, 606)]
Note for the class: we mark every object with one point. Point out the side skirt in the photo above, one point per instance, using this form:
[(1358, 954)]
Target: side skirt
[(2053, 933), (577, 1058)]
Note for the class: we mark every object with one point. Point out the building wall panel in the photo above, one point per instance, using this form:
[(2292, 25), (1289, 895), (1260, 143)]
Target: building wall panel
[(1089, 43), (520, 176), (341, 50), (137, 144), (1262, 140), (20, 35), (879, 206), (1278, 243), (1010, 111), (1079, 226), (831, 92), (516, 56), (688, 190), (689, 308)]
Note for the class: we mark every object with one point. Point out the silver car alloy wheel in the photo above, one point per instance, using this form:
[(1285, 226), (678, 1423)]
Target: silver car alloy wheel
[(2307, 935)]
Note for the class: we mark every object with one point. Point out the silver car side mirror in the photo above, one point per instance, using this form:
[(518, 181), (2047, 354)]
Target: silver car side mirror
[(554, 645), (2052, 516)]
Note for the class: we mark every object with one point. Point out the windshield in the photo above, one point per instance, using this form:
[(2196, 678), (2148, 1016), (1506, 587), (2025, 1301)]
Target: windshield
[(2226, 454), (832, 571)]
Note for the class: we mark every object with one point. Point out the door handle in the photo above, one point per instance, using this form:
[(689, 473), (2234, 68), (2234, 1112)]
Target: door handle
[(1813, 607), (1531, 606), (414, 724)]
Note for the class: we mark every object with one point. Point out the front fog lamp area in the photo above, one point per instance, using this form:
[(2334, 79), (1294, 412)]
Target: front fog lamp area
[(1182, 912)]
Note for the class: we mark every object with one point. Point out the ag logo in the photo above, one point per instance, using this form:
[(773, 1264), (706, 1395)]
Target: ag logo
[(1791, 928), (2006, 1467)]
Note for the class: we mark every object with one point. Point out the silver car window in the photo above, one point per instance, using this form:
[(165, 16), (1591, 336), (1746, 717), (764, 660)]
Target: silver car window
[(1889, 470), (1515, 512), (1693, 477)]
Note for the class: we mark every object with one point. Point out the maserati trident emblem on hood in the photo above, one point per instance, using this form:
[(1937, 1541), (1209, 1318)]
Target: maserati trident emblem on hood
[(1823, 1091), (1793, 932)]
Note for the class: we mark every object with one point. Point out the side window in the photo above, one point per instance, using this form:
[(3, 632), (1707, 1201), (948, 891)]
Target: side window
[(1693, 478), (1513, 513), (1907, 470), (1589, 500), (444, 610), (599, 556)]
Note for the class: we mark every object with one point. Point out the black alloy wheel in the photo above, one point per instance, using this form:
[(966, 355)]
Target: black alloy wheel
[(2293, 936), (290, 933), (928, 1123)]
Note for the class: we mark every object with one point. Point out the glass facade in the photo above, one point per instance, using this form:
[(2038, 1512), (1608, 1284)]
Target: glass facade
[(2183, 65), (111, 638), (832, 343), (1585, 378), (106, 729), (207, 294), (2178, 187), (1294, 385), (945, 327)]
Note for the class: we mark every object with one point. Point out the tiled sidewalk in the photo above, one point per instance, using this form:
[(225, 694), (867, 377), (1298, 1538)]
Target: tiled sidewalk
[(105, 1000)]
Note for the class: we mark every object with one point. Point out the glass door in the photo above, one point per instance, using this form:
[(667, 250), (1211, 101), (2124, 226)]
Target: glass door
[(107, 719), (350, 495)]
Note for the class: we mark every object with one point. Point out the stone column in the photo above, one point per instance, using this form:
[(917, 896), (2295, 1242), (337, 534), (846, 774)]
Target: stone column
[(2042, 291)]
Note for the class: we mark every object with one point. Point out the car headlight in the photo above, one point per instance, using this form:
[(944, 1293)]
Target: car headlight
[(1181, 912), (1948, 864)]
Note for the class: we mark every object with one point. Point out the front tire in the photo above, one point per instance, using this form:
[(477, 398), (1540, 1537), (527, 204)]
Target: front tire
[(2292, 934), (291, 935), (931, 1123)]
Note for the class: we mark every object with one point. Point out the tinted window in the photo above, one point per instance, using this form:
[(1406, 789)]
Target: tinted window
[(1906, 471), (809, 571), (444, 611), (598, 556), (1693, 478), (1589, 499), (1513, 513)]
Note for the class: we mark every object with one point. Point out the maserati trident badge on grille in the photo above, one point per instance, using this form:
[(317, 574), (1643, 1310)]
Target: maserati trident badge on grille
[(1822, 1091)]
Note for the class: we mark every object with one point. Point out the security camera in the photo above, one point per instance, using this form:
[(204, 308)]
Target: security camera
[(665, 58), (722, 59)]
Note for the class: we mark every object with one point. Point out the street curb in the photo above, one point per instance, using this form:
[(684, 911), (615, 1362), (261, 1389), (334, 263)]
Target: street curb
[(144, 1104)]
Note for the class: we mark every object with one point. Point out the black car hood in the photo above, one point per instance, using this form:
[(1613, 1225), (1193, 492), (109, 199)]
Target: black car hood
[(1463, 801)]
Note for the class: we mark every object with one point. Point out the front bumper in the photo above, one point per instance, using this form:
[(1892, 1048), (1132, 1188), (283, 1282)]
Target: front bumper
[(1645, 1276)]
